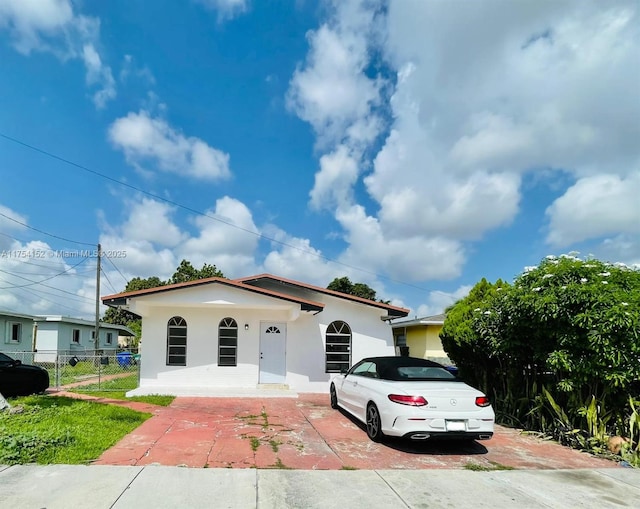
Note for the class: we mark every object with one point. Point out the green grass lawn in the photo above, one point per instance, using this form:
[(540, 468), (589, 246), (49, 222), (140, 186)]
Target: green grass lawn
[(62, 430), (153, 399), (123, 384), (117, 389), (84, 369)]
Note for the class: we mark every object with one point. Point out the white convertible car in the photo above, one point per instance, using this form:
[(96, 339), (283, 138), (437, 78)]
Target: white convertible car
[(412, 398)]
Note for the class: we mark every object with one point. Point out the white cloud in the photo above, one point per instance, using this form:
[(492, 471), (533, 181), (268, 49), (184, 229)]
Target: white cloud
[(97, 73), (621, 247), (332, 91), (154, 241), (418, 196), (32, 22), (334, 182), (534, 84), (480, 100), (23, 264), (226, 9), (295, 258), (63, 289), (596, 206), (410, 258), (144, 139), (140, 258), (150, 220), (438, 301), (52, 26), (147, 242), (9, 224), (227, 238), (131, 68)]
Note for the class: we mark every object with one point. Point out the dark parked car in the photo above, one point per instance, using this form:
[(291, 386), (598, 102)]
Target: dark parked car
[(17, 379)]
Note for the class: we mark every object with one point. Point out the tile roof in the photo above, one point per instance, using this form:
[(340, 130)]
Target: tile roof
[(251, 284)]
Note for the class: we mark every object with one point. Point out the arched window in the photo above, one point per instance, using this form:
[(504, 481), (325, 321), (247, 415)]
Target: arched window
[(228, 342), (177, 341), (337, 347)]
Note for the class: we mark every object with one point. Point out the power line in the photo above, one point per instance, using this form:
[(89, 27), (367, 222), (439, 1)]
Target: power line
[(75, 297), (14, 238), (43, 232), (38, 282), (39, 297), (200, 213), (117, 269), (31, 282), (108, 280), (82, 274)]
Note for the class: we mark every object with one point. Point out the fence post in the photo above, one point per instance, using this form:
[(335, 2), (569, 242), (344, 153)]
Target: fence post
[(57, 371)]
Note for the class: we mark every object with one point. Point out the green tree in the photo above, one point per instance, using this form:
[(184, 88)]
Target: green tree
[(138, 283), (474, 354), (565, 334), (187, 272), (344, 285), (579, 319), (136, 327)]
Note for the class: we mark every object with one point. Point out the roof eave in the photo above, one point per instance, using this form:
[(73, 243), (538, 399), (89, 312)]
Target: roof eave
[(394, 312)]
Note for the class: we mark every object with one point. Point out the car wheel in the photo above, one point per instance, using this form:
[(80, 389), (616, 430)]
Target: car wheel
[(374, 424), (333, 396)]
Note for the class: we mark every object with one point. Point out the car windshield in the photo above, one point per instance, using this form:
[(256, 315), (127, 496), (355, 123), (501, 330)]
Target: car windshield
[(407, 369), (5, 358), (422, 372)]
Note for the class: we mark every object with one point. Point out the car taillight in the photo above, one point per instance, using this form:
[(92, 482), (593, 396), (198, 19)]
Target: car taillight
[(482, 401), (408, 400)]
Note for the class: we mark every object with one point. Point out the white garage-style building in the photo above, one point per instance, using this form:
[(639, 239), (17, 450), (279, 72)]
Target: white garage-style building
[(219, 336)]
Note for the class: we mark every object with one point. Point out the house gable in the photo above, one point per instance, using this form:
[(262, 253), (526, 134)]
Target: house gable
[(292, 287), (206, 293)]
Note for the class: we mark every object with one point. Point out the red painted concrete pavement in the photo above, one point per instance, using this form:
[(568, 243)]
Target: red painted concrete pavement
[(305, 433)]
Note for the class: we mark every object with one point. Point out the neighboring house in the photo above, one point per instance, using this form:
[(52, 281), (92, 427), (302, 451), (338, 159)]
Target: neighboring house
[(63, 334), (422, 337), (16, 332), (257, 332), (124, 341)]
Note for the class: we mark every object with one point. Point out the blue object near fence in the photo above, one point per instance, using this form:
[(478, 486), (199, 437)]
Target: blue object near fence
[(125, 359)]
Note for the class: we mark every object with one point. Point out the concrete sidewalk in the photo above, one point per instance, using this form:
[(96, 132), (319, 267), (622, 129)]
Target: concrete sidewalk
[(120, 487)]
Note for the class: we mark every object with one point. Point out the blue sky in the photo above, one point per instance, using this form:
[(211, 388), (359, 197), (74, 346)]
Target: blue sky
[(416, 146)]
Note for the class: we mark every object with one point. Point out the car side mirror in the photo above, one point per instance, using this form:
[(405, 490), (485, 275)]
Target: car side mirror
[(17, 362), (344, 371)]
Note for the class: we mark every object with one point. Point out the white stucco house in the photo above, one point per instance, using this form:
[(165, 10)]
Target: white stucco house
[(74, 336), (263, 331), (49, 335), (16, 332)]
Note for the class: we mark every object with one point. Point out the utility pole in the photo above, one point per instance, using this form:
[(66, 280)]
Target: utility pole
[(96, 344)]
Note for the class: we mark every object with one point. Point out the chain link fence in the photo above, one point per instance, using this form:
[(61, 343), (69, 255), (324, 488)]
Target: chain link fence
[(87, 370)]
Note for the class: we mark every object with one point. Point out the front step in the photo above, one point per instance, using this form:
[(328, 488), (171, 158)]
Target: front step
[(275, 387)]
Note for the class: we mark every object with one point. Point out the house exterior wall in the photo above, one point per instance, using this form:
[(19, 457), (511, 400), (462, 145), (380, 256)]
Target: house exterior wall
[(57, 336), (305, 339), (370, 336), (25, 334), (424, 342)]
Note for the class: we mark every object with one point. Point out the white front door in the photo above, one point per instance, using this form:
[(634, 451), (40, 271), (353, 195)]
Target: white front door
[(273, 340)]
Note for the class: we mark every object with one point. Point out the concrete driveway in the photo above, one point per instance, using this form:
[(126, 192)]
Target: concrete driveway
[(305, 433)]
